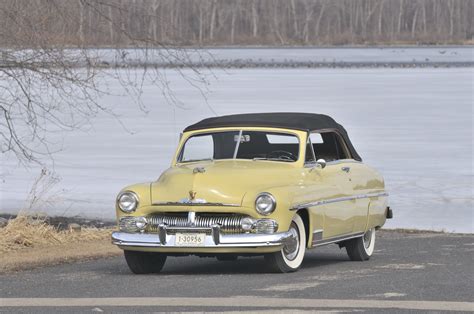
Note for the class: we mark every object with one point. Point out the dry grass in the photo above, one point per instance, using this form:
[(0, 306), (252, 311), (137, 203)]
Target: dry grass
[(33, 231), (29, 241)]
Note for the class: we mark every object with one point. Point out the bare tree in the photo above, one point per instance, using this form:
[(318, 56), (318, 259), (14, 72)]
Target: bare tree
[(45, 87), (275, 22)]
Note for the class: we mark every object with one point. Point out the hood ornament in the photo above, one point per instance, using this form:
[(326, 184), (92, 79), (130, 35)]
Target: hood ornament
[(192, 199)]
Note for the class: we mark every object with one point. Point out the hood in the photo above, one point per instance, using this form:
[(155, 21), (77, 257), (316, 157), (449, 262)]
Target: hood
[(221, 181)]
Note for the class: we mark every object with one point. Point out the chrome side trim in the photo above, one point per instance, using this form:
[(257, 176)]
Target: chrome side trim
[(194, 204), (338, 199), (336, 239)]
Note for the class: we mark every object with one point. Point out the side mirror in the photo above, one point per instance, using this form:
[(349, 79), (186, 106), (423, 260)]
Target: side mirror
[(321, 163)]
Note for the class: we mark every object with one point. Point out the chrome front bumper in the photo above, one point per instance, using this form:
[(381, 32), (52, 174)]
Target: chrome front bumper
[(215, 240)]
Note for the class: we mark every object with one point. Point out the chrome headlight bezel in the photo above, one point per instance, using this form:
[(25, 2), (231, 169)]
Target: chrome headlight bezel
[(270, 209), (129, 209), (132, 224)]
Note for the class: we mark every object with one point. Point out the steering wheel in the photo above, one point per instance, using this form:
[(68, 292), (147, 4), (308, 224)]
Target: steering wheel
[(282, 154)]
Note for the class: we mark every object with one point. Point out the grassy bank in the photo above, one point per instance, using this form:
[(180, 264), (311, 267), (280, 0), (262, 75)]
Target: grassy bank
[(29, 241)]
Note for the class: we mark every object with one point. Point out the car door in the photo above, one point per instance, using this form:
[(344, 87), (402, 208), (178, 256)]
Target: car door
[(331, 185)]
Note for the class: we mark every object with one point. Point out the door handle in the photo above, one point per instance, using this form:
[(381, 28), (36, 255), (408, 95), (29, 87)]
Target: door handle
[(346, 169)]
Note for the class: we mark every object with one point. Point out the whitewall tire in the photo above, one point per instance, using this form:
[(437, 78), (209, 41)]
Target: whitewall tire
[(361, 249), (291, 256)]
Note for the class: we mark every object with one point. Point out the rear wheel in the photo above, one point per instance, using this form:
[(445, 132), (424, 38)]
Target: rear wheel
[(360, 249), (291, 256), (144, 262)]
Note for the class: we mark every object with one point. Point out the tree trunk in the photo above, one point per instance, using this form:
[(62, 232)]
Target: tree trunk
[(380, 16), (276, 26), (111, 26), (400, 15), (295, 18), (81, 22), (318, 22), (309, 16), (201, 23), (424, 17), (154, 8), (413, 25), (232, 25), (254, 19), (451, 17), (213, 20)]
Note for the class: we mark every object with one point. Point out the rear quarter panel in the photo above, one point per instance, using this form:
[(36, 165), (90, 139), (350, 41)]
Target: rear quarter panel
[(368, 181)]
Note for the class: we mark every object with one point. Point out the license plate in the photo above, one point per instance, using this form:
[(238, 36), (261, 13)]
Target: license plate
[(190, 239)]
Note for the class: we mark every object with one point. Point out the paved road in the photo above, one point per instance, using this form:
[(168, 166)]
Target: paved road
[(408, 273)]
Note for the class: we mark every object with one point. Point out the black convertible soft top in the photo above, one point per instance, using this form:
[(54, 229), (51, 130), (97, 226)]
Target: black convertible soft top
[(287, 120)]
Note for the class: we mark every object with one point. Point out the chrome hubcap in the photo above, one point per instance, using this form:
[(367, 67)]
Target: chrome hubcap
[(367, 238), (293, 244)]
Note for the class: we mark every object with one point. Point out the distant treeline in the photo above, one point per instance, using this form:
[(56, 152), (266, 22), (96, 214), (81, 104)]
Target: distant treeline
[(235, 22)]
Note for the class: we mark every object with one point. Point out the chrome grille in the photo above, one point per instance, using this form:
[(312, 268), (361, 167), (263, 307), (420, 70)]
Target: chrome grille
[(229, 223)]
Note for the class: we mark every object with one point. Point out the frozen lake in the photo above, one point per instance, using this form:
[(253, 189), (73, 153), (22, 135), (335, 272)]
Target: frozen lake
[(256, 56), (414, 125), (448, 56)]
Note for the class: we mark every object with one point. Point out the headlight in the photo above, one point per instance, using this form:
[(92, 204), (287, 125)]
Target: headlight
[(265, 203), (127, 201)]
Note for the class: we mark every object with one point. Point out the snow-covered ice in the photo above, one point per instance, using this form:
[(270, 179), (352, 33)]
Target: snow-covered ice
[(414, 125)]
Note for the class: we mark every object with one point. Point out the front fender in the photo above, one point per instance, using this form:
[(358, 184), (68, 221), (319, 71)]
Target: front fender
[(142, 190), (282, 214)]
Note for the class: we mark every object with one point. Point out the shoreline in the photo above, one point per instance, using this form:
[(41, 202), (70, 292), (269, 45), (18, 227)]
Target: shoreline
[(62, 222), (465, 44), (271, 57)]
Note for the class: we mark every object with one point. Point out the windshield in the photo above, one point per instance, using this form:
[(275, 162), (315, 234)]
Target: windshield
[(255, 145)]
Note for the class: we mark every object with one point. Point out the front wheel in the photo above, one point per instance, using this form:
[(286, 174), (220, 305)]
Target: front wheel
[(144, 262), (291, 256), (361, 249)]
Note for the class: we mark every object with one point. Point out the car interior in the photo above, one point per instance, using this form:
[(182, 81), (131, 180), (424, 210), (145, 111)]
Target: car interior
[(327, 146), (268, 145)]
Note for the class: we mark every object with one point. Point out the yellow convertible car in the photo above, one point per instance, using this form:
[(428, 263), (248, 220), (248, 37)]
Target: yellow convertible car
[(271, 184)]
